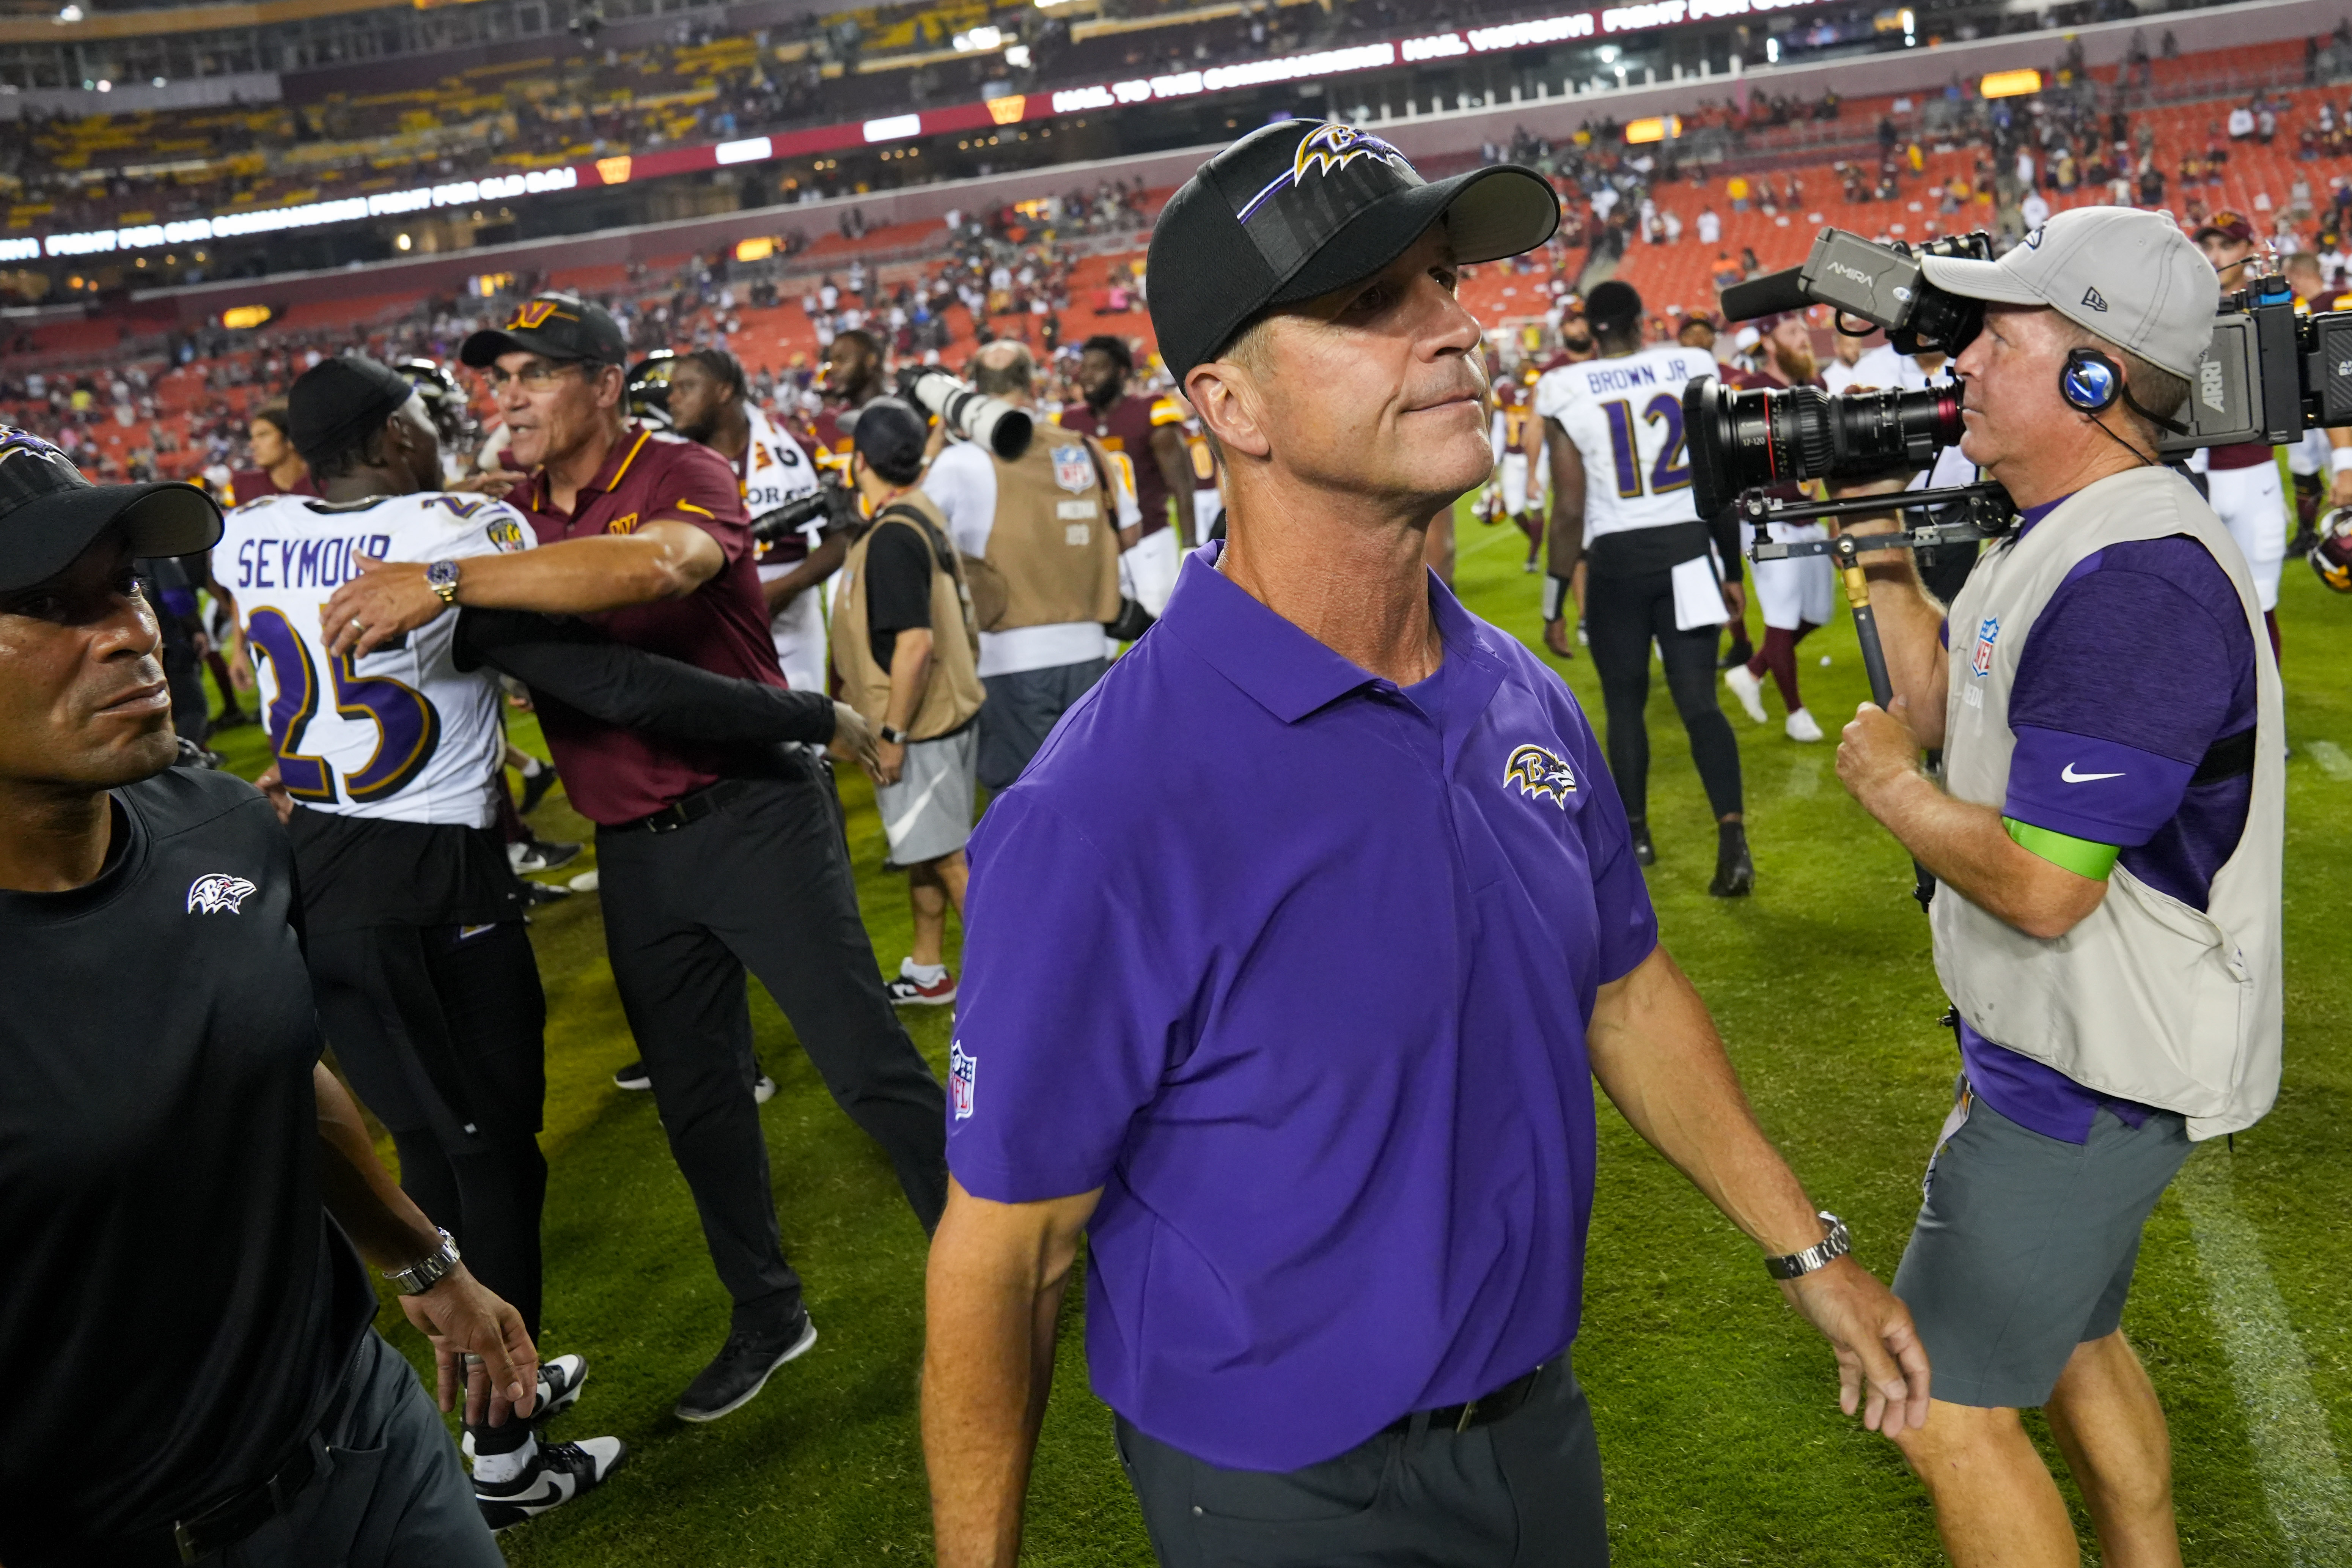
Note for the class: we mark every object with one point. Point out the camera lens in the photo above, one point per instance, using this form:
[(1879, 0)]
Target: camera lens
[(1744, 438)]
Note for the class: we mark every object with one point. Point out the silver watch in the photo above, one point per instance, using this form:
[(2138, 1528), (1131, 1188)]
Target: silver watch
[(419, 1277), (1820, 1255)]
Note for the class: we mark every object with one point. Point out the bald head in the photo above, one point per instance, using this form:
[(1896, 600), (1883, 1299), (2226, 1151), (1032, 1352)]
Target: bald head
[(1003, 369)]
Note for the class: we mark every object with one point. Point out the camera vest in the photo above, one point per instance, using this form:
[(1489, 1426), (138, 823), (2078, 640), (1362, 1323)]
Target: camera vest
[(1053, 549), (951, 692), (2148, 998)]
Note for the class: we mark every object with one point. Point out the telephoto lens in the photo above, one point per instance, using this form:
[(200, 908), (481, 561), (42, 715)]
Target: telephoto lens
[(970, 413), (1743, 438)]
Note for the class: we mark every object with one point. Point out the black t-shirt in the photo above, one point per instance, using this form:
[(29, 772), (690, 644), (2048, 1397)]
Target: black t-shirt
[(897, 586), (178, 1308)]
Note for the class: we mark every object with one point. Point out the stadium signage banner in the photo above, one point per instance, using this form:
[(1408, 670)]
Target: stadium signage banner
[(983, 115)]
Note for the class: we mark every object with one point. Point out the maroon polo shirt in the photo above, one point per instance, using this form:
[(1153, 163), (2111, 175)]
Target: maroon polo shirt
[(613, 774)]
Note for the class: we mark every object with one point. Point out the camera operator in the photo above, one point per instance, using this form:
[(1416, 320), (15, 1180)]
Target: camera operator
[(1041, 537), (2107, 924), (2242, 481), (710, 403), (1613, 428), (908, 653), (722, 858)]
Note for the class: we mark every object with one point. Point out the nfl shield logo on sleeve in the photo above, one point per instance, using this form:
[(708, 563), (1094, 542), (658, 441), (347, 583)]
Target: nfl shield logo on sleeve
[(1987, 631), (961, 1070), (1073, 470)]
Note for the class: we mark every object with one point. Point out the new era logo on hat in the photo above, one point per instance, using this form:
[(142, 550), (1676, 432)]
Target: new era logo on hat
[(2131, 276), (1300, 207)]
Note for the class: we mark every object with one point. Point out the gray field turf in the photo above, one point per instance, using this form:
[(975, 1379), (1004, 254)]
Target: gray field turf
[(1720, 1431)]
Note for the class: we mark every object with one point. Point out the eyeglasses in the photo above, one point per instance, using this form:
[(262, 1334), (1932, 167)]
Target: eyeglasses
[(537, 376)]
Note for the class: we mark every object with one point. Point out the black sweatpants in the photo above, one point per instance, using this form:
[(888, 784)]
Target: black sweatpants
[(1521, 1492), (1622, 616), (761, 884), (439, 1030)]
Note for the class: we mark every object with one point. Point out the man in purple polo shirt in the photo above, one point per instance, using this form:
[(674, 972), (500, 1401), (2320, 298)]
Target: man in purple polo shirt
[(2108, 846), (1337, 1229)]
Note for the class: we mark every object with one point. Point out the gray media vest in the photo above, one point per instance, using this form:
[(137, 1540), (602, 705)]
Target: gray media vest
[(2148, 999)]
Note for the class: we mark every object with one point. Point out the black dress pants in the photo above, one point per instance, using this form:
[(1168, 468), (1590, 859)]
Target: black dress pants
[(1520, 1492), (762, 884), (1622, 616)]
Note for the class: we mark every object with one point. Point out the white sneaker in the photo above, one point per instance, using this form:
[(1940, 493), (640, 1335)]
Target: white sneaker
[(1749, 689), (1802, 727), (764, 1090)]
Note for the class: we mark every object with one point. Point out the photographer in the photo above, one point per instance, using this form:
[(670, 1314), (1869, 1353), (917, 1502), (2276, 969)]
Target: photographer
[(904, 642), (2107, 924), (1041, 536)]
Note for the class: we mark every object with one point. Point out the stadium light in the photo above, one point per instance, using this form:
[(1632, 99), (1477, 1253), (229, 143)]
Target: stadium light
[(891, 127), (238, 318), (70, 13), (758, 248), (1017, 56), (1657, 128), (2010, 84), (978, 38)]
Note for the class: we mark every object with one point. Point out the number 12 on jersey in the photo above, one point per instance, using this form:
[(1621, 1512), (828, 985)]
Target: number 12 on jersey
[(1670, 472)]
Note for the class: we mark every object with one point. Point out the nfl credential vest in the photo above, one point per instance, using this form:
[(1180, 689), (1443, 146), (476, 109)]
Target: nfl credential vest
[(1053, 550), (953, 693), (2148, 998)]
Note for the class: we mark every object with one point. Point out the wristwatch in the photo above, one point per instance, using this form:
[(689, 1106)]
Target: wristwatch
[(1820, 1255), (896, 737), (419, 1277), (442, 578)]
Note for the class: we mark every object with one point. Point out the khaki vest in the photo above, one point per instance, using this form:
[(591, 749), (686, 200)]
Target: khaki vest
[(1053, 549), (951, 692), (2148, 998)]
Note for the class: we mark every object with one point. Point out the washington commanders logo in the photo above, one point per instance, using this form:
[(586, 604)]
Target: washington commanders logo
[(533, 314), (1540, 772), (218, 893)]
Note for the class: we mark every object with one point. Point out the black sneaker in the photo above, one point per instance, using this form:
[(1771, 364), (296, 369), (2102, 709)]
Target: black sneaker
[(634, 1076), (538, 855), (1741, 652), (558, 1473), (536, 893), (742, 1368), (1643, 854), (535, 787), (1735, 873)]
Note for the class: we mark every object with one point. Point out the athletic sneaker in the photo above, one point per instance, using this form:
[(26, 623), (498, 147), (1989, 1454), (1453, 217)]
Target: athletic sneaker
[(558, 1473), (743, 1367), (1802, 726), (535, 787), (1583, 631), (559, 1391), (908, 990), (543, 893), (1749, 689), (1739, 652), (1735, 873), (1645, 854), (764, 1090), (538, 855)]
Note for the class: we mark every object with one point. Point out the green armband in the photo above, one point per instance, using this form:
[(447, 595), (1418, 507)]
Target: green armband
[(2081, 856)]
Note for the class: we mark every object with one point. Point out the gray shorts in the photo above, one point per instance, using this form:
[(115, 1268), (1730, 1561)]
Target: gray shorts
[(1021, 710), (928, 813), (2026, 1246)]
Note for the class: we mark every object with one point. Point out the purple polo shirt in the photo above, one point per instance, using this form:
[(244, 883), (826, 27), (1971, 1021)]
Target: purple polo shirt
[(2140, 661), (1296, 965)]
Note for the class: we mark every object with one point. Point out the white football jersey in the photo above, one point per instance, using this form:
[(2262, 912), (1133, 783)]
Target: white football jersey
[(1625, 416), (403, 734), (773, 470)]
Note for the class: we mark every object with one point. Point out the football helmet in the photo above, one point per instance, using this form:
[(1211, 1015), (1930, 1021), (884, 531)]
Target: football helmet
[(2332, 556), (647, 389)]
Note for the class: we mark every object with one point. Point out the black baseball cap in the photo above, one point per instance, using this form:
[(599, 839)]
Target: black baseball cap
[(339, 402), (891, 435), (553, 326), (49, 513), (1303, 207)]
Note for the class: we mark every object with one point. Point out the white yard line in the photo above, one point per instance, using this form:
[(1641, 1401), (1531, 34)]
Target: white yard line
[(2330, 758), (2302, 1479)]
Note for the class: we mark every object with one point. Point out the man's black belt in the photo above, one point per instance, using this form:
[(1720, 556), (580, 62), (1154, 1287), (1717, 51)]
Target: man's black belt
[(685, 809), (1488, 1407), (220, 1525)]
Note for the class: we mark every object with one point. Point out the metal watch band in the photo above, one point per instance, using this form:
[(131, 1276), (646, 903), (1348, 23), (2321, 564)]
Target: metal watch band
[(419, 1277), (1820, 1255)]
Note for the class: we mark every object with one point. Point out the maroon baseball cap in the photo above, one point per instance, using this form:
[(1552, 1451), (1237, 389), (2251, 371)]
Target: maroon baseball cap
[(2232, 226)]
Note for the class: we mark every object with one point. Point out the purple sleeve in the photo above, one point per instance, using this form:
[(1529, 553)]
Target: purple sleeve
[(1624, 921), (1054, 1047), (2140, 662)]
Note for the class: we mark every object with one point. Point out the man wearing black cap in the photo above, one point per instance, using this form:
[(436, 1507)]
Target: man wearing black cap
[(185, 1337), (1337, 1232), (906, 649), (713, 857)]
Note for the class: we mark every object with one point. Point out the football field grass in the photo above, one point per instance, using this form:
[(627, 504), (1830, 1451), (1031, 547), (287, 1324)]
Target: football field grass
[(1720, 1438)]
